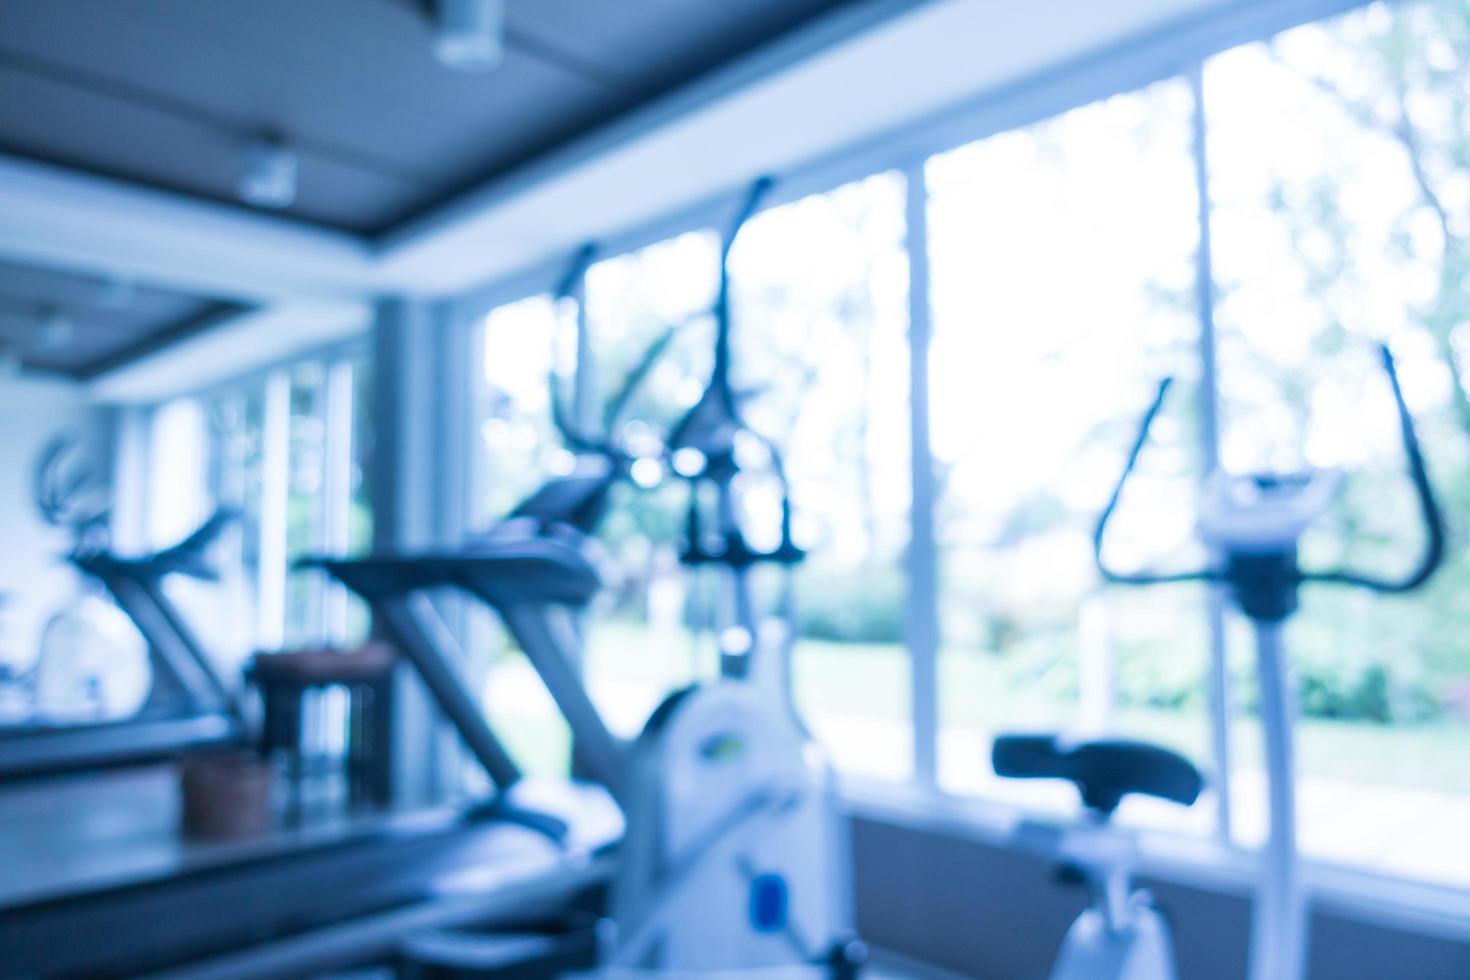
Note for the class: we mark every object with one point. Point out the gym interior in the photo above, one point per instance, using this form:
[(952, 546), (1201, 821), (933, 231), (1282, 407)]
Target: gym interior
[(763, 488)]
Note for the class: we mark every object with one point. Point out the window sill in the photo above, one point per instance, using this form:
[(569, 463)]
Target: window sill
[(1206, 863)]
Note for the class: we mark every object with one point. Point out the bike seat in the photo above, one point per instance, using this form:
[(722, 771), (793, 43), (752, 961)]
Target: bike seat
[(1104, 770)]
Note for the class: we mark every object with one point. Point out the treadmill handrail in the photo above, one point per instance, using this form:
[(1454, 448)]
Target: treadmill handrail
[(396, 597)]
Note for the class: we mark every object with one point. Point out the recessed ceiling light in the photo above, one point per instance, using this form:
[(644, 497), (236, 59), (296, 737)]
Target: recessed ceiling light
[(470, 34), (268, 178)]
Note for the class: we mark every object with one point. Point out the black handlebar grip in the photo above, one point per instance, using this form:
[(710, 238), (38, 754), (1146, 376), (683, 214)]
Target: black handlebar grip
[(1429, 510), (1136, 578)]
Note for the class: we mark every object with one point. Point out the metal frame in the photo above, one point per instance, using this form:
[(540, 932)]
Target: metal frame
[(340, 361)]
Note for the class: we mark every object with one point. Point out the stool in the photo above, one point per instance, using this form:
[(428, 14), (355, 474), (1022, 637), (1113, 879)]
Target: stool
[(293, 687)]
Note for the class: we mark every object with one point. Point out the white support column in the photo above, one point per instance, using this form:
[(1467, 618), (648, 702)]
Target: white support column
[(401, 478), (922, 612), (418, 483), (457, 346), (454, 330), (400, 485)]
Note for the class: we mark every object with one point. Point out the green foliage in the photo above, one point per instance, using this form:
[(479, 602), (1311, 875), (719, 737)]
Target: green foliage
[(1375, 682), (852, 605)]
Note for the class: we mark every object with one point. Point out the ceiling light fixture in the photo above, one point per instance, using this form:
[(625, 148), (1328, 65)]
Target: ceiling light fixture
[(268, 178), (469, 34)]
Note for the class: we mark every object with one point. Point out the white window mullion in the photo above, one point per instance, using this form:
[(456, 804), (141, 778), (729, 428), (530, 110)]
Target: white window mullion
[(335, 527), (1218, 685), (922, 613), (275, 487)]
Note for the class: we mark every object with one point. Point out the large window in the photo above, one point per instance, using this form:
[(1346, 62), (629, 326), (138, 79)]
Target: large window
[(517, 449), (1063, 289), (1340, 179), (1067, 272), (639, 645), (821, 325), (287, 452), (820, 311)]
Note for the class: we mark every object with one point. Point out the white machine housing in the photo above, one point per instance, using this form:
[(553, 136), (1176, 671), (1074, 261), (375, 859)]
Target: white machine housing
[(736, 857)]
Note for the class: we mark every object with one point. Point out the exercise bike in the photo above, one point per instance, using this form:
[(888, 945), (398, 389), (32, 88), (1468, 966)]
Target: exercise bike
[(1121, 935), (1251, 524), (736, 856)]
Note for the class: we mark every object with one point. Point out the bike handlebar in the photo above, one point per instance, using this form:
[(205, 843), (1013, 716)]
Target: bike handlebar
[(1429, 510), (1137, 578)]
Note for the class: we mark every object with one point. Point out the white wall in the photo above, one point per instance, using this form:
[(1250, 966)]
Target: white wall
[(32, 574), (943, 897)]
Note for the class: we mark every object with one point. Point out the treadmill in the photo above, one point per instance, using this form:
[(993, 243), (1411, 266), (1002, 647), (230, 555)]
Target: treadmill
[(349, 892), (190, 705)]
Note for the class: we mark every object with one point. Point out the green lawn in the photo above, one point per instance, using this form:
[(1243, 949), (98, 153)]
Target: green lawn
[(978, 694)]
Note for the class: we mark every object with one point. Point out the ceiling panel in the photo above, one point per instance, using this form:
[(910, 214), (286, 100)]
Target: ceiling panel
[(78, 325), (657, 42), (64, 125), (168, 92)]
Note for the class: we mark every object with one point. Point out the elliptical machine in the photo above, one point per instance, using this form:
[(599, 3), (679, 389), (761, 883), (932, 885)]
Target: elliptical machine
[(736, 855), (1252, 524)]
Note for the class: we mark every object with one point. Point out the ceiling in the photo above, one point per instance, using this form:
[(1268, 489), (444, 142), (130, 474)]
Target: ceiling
[(80, 326), (168, 93), (124, 125)]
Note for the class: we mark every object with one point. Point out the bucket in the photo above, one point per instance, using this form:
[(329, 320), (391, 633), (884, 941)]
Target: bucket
[(226, 796)]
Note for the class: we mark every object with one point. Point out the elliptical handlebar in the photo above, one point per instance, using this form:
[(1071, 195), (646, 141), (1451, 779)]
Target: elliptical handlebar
[(1138, 578), (1429, 510)]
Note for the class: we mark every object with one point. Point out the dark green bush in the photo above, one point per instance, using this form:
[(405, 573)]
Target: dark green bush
[(864, 605)]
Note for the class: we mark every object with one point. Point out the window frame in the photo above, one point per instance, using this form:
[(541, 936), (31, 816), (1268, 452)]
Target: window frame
[(1177, 51), (340, 360)]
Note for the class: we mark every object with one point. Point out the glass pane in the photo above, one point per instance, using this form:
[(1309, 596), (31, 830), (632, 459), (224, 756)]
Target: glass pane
[(821, 341), (234, 482), (1340, 168), (638, 645), (519, 450), (306, 502), (185, 470), (1063, 289), (520, 446), (632, 300), (360, 509)]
